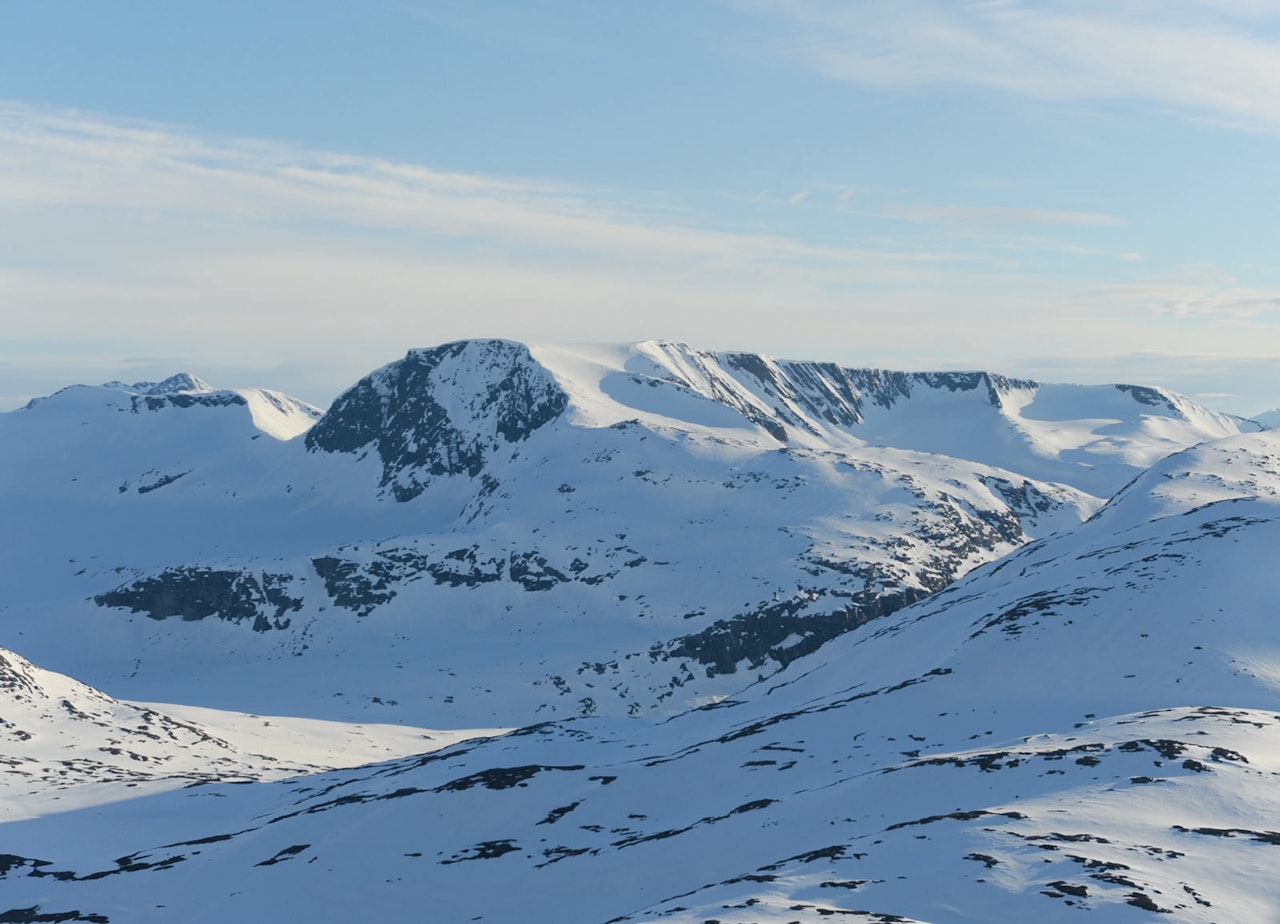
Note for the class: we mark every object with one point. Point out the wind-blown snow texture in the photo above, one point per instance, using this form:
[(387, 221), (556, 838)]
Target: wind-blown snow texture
[(489, 534)]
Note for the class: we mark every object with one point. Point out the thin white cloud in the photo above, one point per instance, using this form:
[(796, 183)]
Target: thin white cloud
[(148, 240), (1202, 293), (61, 159), (997, 216), (1201, 56), (144, 238)]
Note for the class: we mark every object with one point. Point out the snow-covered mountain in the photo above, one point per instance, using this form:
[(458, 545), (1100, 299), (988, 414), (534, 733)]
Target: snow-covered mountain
[(486, 533), (1269, 418), (66, 744), (1087, 726)]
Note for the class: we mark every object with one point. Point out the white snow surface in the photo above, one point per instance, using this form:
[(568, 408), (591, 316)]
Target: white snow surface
[(701, 567), (1269, 418), (1086, 728), (67, 745), (1091, 437), (486, 534)]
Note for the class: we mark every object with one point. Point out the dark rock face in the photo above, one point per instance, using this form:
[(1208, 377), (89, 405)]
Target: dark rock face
[(823, 391), (466, 567), (996, 385), (533, 572), (160, 482), (1024, 499), (183, 399), (354, 586), (363, 585), (1149, 396), (179, 382), (781, 632), (193, 593), (497, 395)]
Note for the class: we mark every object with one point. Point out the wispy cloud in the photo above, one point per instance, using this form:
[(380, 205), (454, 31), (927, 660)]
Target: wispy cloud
[(1242, 384), (997, 216), (1201, 56), (150, 240), (64, 159), (1200, 293)]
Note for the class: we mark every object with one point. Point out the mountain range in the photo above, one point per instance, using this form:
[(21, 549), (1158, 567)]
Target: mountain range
[(643, 633)]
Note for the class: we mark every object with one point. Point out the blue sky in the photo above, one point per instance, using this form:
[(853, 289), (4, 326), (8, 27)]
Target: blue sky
[(288, 194)]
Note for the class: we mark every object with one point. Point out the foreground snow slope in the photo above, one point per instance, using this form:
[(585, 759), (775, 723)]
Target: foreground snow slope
[(488, 534), (67, 745), (1088, 726)]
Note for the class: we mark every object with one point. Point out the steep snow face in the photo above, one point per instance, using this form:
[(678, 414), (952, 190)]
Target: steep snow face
[(1094, 438), (1088, 727), (278, 414)]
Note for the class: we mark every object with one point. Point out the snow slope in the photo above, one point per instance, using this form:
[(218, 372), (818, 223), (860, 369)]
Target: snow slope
[(1091, 437), (485, 533), (67, 745), (1088, 726), (1269, 418)]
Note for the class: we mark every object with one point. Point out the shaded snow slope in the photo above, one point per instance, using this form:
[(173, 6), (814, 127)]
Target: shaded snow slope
[(272, 412), (1269, 418), (488, 533), (66, 744), (1087, 727), (1227, 469), (1094, 438)]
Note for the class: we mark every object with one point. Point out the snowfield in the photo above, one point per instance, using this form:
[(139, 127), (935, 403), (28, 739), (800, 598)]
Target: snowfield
[(778, 642)]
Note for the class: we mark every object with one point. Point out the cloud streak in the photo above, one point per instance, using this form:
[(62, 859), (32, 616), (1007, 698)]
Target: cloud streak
[(1220, 59), (59, 159), (998, 216), (147, 240), (143, 238), (1198, 294)]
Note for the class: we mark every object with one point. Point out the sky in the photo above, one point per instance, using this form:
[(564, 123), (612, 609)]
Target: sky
[(289, 194)]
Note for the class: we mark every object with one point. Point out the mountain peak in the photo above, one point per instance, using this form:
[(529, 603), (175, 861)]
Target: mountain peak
[(179, 383), (182, 382), (441, 411)]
